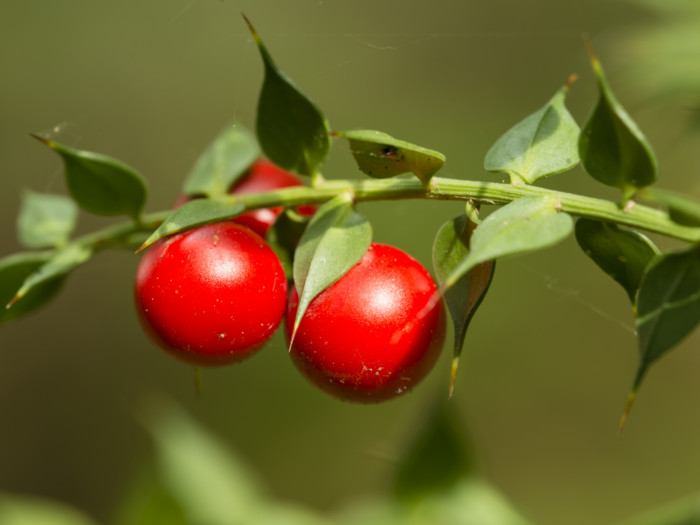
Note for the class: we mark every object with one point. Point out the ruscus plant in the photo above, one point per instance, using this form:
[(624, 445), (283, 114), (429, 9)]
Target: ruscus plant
[(212, 292)]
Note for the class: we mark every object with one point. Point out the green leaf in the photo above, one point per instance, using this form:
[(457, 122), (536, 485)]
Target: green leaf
[(436, 460), (284, 236), (32, 510), (148, 502), (14, 270), (622, 254), (524, 225), (472, 502), (224, 161), (192, 214), (291, 129), (542, 144), (101, 184), (681, 209), (450, 248), (612, 148), (382, 156), (45, 220), (668, 308), (336, 238), (56, 267), (211, 484), (669, 302)]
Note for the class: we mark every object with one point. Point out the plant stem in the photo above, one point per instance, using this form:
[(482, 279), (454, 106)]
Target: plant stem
[(639, 216)]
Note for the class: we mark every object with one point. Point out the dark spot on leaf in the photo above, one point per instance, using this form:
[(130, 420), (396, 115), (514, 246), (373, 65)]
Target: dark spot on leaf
[(390, 152)]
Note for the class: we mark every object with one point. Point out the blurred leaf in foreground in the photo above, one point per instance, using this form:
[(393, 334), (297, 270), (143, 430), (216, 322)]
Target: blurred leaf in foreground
[(32, 510), (436, 460), (209, 482)]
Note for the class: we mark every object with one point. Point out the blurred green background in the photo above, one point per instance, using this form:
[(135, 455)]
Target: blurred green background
[(550, 355)]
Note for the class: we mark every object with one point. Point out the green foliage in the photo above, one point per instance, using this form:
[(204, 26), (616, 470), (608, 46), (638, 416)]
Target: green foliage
[(27, 510), (45, 221), (192, 214), (381, 156), (14, 270), (336, 239), (42, 283), (211, 485), (224, 161), (622, 254), (613, 150), (542, 144), (148, 502), (525, 225), (668, 305), (291, 129), (199, 481), (436, 461), (101, 184), (450, 248), (293, 132)]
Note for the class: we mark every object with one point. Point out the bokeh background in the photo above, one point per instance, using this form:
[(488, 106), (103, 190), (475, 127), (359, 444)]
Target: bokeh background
[(550, 355)]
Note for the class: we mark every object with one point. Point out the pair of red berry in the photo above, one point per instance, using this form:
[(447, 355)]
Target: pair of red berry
[(214, 295)]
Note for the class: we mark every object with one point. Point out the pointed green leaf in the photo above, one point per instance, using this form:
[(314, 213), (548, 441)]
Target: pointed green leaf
[(668, 304), (542, 144), (192, 214), (612, 148), (681, 208), (524, 225), (14, 270), (224, 161), (101, 184), (45, 220), (450, 248), (622, 254), (669, 301), (57, 266), (284, 236), (436, 461), (291, 129), (336, 238), (381, 156)]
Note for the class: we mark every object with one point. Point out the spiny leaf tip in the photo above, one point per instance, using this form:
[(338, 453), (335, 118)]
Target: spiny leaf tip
[(252, 29)]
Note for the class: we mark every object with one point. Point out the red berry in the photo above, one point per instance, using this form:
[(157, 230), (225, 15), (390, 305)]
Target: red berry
[(265, 176), (212, 295), (362, 339), (262, 176)]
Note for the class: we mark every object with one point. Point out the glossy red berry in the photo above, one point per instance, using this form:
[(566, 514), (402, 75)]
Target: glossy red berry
[(362, 339), (212, 295), (262, 176)]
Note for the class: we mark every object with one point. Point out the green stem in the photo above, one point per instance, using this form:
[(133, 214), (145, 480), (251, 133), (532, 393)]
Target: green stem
[(639, 216)]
